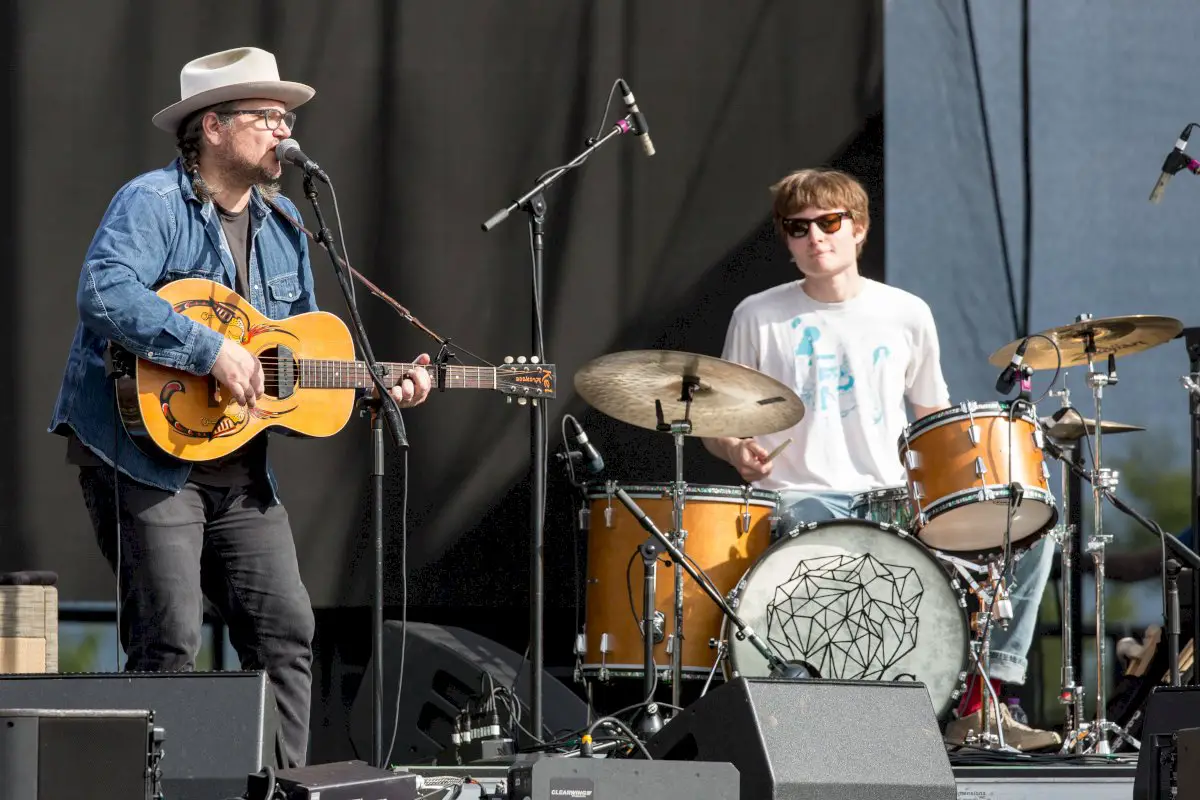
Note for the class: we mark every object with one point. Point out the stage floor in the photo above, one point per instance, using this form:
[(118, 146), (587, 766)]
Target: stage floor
[(1086, 781)]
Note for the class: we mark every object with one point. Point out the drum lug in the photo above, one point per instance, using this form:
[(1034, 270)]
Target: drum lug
[(918, 491), (973, 433), (608, 515), (581, 644), (1046, 471), (980, 467), (604, 651), (746, 521), (670, 639), (585, 518), (1039, 441), (912, 460)]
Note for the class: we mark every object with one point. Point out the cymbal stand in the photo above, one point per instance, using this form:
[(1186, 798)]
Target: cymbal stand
[(1103, 480), (1070, 693), (679, 429), (995, 608)]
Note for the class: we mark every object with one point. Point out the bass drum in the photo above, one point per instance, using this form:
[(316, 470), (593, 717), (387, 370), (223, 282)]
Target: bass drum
[(854, 600)]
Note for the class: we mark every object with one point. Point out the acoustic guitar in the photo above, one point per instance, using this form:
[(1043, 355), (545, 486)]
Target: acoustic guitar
[(310, 371)]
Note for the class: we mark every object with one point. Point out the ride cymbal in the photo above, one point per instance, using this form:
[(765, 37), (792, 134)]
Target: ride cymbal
[(728, 399), (1118, 336)]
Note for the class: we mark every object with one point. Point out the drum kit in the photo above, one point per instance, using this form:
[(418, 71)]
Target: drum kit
[(881, 595)]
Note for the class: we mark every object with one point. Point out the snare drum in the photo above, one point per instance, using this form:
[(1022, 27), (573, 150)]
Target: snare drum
[(854, 600), (888, 505), (728, 527), (961, 463)]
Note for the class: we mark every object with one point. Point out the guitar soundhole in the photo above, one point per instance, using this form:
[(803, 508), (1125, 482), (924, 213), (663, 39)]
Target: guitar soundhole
[(279, 370)]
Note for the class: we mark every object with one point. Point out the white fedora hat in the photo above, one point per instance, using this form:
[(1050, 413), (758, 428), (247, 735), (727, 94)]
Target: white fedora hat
[(238, 74)]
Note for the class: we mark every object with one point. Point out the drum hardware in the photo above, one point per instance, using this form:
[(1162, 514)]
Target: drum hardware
[(1084, 342), (722, 648), (685, 394)]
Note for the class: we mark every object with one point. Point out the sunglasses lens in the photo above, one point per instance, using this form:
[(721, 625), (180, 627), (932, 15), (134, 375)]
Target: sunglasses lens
[(830, 223), (796, 228)]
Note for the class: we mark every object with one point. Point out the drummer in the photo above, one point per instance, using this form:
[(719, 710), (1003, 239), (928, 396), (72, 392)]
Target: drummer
[(855, 350)]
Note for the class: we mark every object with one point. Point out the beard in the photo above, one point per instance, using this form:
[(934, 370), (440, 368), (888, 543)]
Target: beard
[(238, 170)]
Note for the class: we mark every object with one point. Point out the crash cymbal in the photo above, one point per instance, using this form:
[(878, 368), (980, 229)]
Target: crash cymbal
[(729, 399), (1068, 425), (1119, 336)]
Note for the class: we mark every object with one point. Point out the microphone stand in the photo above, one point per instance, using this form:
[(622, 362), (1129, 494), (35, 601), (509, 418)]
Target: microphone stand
[(1191, 337), (533, 203), (1178, 548), (380, 408)]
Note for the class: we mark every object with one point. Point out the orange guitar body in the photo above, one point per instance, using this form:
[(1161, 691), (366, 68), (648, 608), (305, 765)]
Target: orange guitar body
[(191, 417)]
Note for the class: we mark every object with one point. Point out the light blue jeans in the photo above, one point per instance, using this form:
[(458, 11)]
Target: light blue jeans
[(1009, 647)]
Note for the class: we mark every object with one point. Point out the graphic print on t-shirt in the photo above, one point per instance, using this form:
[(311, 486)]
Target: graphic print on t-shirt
[(827, 379)]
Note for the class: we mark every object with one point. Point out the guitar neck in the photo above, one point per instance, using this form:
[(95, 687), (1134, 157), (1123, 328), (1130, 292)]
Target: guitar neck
[(327, 374)]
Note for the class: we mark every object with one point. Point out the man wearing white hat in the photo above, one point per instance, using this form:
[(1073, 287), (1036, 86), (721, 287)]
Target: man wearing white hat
[(209, 214)]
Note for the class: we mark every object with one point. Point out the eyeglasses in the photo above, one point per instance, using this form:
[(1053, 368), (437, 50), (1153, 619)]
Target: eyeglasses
[(271, 116), (797, 227)]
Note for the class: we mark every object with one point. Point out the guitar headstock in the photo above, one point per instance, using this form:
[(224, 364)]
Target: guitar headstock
[(525, 379)]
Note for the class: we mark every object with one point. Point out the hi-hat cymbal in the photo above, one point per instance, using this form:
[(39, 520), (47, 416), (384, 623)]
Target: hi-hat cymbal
[(729, 399), (1118, 336), (1067, 425)]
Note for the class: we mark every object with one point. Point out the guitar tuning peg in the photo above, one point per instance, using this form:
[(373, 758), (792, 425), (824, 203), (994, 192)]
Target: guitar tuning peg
[(522, 401), (508, 359), (533, 401), (508, 399), (521, 359), (534, 360)]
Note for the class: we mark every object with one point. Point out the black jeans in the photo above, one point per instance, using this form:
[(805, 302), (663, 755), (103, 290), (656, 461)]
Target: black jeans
[(229, 545)]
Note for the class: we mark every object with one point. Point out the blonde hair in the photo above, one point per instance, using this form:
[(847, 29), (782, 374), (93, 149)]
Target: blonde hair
[(821, 188)]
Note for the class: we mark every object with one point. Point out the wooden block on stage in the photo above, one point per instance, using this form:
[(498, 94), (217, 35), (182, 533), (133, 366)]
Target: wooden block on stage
[(28, 629)]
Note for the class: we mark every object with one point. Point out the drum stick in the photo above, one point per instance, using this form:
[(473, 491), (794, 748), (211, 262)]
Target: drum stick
[(771, 456)]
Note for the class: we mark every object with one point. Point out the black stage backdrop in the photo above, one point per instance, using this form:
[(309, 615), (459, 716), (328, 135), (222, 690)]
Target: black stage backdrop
[(429, 116)]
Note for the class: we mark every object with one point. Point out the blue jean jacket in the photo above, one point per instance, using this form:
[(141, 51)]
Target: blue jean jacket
[(156, 230)]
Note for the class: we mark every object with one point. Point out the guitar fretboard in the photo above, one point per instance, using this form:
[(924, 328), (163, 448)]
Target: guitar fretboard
[(331, 374)]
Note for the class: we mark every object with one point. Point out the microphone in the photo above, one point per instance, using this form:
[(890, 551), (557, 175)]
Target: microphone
[(289, 150), (1175, 161), (1008, 378), (640, 126), (595, 464)]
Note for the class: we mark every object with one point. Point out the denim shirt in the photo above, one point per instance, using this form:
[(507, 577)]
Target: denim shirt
[(156, 230)]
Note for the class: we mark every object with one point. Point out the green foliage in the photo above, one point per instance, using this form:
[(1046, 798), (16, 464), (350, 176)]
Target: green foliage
[(1153, 486), (82, 655)]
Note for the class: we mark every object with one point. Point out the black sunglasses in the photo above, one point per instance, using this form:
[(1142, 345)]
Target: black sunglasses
[(797, 228)]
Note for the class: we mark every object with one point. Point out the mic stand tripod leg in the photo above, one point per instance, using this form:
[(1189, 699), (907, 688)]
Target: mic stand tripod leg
[(649, 721), (779, 667)]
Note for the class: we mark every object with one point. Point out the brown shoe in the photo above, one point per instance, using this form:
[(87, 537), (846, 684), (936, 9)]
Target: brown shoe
[(1016, 734)]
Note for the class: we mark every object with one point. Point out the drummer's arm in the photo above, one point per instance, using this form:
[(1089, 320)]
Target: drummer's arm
[(925, 411)]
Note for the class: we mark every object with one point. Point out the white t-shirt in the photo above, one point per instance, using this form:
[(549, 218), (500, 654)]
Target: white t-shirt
[(853, 364)]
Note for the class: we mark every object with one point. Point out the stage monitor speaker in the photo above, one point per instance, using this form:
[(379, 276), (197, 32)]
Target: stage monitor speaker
[(827, 739), (442, 670), (219, 726), (63, 755), (1169, 709)]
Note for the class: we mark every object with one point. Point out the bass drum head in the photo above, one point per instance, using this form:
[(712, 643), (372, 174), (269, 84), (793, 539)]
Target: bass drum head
[(854, 600)]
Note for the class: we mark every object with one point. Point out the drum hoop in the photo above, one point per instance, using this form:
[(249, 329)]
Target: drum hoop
[(890, 493), (998, 491), (693, 491), (960, 412)]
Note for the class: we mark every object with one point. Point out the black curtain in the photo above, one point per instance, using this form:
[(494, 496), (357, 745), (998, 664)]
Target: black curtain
[(429, 116)]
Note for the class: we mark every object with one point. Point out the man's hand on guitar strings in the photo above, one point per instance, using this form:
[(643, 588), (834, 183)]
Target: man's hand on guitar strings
[(240, 373)]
